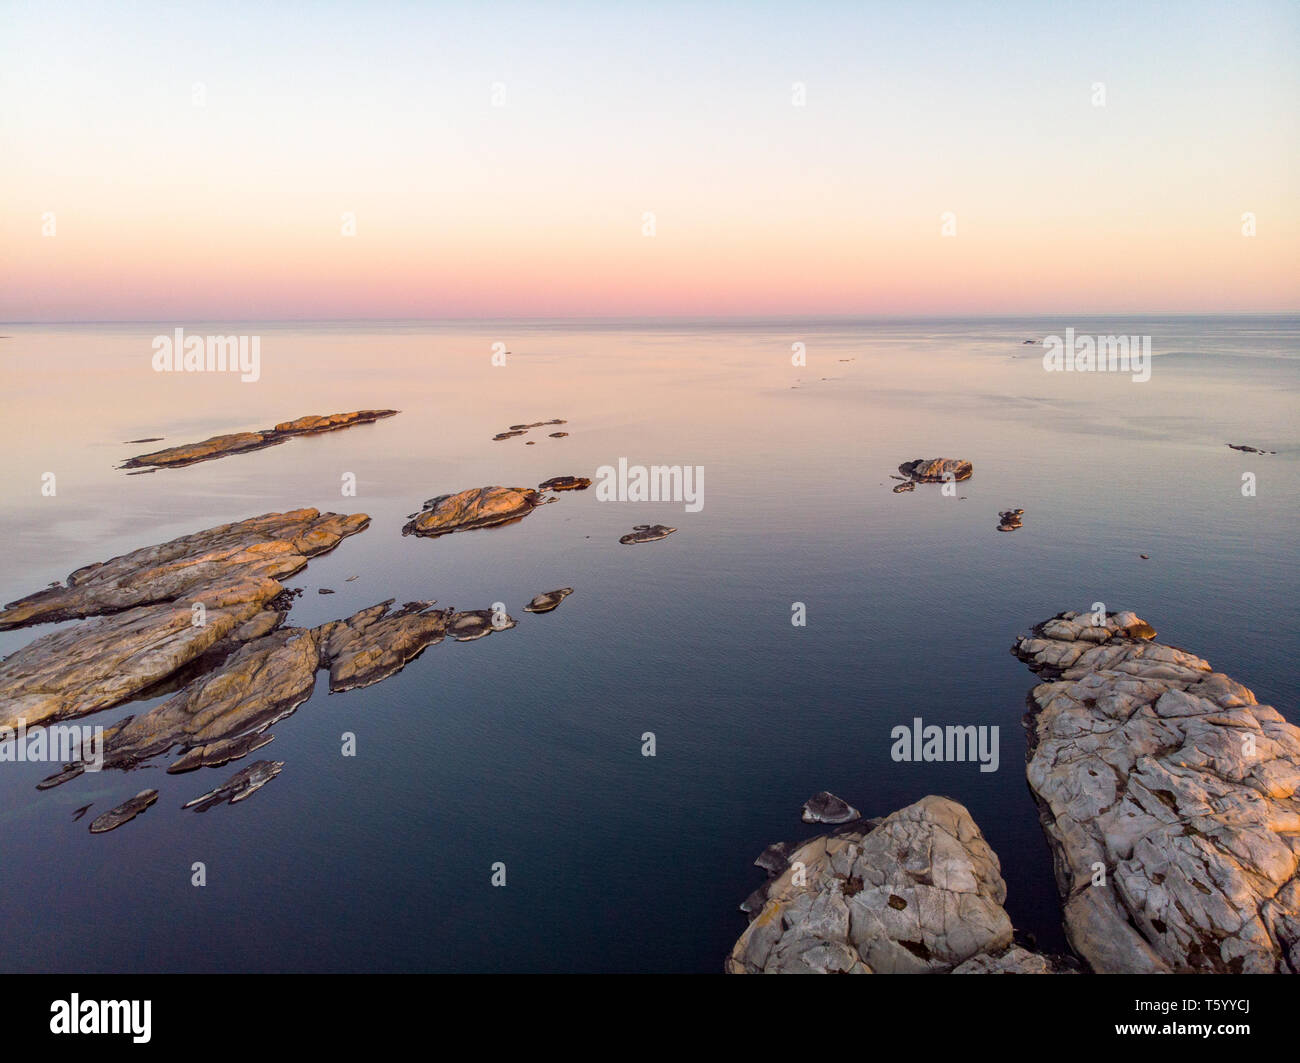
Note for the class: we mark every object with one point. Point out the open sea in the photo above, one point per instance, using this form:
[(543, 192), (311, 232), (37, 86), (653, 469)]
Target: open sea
[(526, 748)]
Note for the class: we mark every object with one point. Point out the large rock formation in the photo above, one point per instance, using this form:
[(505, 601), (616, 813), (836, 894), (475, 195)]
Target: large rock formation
[(171, 604), (917, 892), (239, 442), (267, 679), (478, 507), (1169, 797)]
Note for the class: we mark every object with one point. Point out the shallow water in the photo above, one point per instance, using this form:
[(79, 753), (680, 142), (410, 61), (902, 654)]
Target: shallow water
[(526, 747)]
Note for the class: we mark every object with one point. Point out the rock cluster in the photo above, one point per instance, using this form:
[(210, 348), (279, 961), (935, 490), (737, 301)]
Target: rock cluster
[(521, 429), (202, 615), (1010, 519), (1169, 798), (239, 442)]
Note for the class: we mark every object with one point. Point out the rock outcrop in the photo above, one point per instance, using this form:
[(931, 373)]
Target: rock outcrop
[(240, 442), (217, 717), (936, 470), (478, 507), (1169, 798), (170, 605), (917, 892)]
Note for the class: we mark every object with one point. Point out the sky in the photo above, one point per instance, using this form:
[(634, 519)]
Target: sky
[(207, 161)]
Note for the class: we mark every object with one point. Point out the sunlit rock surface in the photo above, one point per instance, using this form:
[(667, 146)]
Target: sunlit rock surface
[(917, 892), (478, 507), (1169, 798)]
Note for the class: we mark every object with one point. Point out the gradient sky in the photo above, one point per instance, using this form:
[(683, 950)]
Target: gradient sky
[(170, 211)]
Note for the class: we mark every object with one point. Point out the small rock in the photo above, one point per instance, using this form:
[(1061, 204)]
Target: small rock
[(544, 603), (123, 813), (646, 533), (565, 483), (827, 808)]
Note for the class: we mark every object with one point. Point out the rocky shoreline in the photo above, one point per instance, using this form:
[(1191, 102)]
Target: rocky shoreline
[(1169, 799)]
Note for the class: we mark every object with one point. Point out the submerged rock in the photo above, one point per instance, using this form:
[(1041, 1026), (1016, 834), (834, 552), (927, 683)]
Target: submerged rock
[(478, 507), (906, 486), (1169, 799), (239, 442), (936, 470), (827, 808), (244, 783), (646, 533), (565, 483), (544, 603), (123, 813), (919, 892)]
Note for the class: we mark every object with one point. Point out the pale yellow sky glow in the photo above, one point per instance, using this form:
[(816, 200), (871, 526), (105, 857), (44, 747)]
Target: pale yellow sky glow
[(200, 164)]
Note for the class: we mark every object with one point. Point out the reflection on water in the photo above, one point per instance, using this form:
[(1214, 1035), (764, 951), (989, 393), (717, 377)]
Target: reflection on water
[(527, 749)]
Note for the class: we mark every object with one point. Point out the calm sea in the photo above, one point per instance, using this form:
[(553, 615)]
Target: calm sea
[(525, 748)]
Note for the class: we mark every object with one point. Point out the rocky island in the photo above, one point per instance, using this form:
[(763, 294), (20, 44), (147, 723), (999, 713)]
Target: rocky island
[(241, 442)]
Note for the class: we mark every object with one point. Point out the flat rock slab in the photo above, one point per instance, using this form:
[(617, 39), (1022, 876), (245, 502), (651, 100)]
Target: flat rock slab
[(646, 533), (544, 603), (243, 784), (241, 442), (565, 483), (123, 813), (936, 470), (271, 546), (1168, 785), (478, 507)]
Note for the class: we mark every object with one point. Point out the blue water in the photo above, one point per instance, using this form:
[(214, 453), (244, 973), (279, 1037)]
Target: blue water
[(525, 747)]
